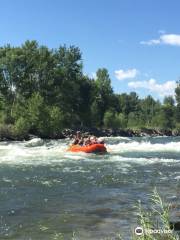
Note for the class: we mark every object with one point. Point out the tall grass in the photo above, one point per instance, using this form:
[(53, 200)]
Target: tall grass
[(154, 219)]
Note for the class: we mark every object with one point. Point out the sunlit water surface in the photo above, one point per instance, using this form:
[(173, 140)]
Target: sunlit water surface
[(45, 190)]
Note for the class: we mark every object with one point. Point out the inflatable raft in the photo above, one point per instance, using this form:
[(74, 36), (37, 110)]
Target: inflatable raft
[(94, 148)]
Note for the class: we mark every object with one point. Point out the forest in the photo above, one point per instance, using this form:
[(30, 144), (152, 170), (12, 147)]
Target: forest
[(43, 91)]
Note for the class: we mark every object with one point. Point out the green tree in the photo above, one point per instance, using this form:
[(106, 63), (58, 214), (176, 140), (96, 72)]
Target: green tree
[(177, 95), (57, 121), (165, 118), (114, 120), (120, 120), (21, 126), (169, 100), (109, 119), (96, 114), (135, 120), (38, 115), (44, 90), (102, 93), (84, 109), (129, 103), (149, 108)]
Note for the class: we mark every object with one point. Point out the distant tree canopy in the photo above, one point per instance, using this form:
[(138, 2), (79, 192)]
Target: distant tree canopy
[(43, 91)]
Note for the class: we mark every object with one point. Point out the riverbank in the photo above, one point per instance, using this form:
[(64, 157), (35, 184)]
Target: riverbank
[(8, 134)]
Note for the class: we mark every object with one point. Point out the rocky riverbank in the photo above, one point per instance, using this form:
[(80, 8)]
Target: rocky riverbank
[(120, 132), (7, 135)]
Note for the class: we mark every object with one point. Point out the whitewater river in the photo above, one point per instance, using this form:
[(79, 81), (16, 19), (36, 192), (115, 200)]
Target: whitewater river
[(45, 191)]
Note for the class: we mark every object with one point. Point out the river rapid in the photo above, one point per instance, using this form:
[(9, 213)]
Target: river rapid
[(46, 191)]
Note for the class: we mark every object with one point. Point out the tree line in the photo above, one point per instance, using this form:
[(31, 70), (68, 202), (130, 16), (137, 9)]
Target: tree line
[(44, 90)]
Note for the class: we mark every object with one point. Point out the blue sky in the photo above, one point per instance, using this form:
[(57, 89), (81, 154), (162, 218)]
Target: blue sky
[(138, 41)]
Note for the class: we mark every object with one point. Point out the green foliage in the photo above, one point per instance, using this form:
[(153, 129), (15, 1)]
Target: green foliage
[(57, 120), (135, 120), (120, 120), (177, 92), (102, 94), (177, 95), (177, 127), (96, 113), (36, 109), (166, 117), (43, 91), (114, 120), (149, 108), (109, 119), (158, 217), (2, 110), (169, 101), (129, 103), (21, 126)]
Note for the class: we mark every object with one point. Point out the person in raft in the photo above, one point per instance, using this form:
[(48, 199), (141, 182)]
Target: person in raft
[(95, 140), (79, 140)]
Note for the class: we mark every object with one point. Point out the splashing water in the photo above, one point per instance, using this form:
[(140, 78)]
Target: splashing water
[(46, 190)]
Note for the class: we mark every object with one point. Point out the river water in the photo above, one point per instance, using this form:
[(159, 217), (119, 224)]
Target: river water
[(45, 190)]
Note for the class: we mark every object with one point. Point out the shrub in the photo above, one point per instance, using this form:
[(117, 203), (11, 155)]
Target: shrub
[(114, 120), (108, 119), (120, 120), (135, 120), (56, 120), (21, 126)]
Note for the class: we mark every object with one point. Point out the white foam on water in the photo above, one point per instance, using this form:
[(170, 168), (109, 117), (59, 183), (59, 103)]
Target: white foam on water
[(117, 138), (17, 153), (144, 147), (75, 170), (145, 160), (34, 142), (55, 152)]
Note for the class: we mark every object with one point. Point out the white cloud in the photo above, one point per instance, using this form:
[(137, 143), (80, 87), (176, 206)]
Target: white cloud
[(162, 89), (168, 39), (151, 42), (171, 39), (125, 74)]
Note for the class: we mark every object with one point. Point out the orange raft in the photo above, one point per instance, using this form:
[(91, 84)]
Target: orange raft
[(94, 148)]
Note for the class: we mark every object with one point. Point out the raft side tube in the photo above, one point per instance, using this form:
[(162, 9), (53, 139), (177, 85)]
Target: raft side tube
[(94, 148)]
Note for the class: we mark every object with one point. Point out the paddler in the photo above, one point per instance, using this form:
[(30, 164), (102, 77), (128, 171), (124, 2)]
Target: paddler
[(87, 141), (77, 138)]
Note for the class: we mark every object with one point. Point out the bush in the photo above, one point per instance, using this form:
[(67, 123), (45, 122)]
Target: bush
[(96, 114), (120, 120), (177, 127), (36, 108), (135, 120), (6, 131), (108, 119), (21, 126), (114, 120), (56, 120)]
